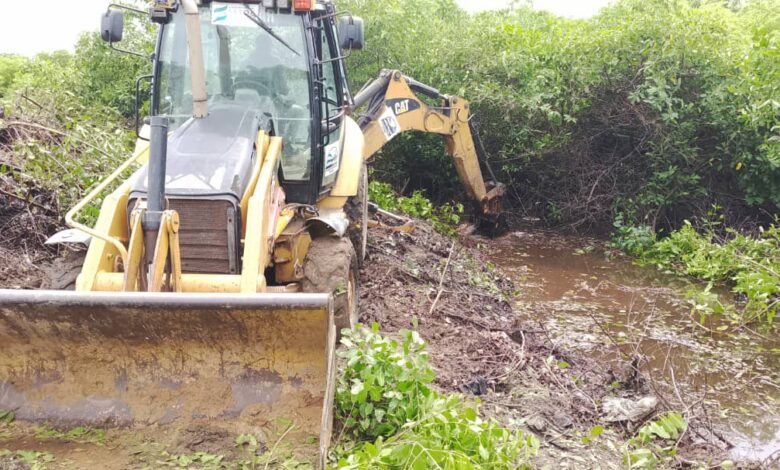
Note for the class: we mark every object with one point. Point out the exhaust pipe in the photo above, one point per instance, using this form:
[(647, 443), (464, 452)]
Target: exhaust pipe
[(158, 156), (197, 69), (155, 194)]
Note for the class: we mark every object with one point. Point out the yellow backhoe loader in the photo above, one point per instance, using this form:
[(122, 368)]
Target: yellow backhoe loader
[(219, 272)]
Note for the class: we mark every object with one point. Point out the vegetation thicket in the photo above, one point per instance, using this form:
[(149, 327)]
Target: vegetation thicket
[(68, 116), (654, 109), (650, 114)]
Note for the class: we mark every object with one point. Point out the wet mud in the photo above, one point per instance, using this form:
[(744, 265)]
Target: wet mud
[(611, 309)]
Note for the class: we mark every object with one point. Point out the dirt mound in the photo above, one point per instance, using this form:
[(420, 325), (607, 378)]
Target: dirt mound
[(457, 300), (463, 307)]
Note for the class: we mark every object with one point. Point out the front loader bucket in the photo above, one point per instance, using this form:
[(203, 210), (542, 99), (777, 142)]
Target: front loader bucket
[(240, 362)]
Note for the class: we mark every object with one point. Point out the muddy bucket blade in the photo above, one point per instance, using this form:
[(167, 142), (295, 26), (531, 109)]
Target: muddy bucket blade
[(242, 362)]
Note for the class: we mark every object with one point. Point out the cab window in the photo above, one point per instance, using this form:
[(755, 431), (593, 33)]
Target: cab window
[(331, 103)]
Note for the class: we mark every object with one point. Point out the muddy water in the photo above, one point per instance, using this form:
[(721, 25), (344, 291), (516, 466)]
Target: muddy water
[(589, 302)]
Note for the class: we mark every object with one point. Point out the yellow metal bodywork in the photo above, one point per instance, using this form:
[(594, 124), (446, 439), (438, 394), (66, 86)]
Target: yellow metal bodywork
[(135, 252), (261, 148), (290, 251), (352, 151), (166, 252), (332, 202), (260, 219), (103, 253), (192, 283), (110, 233)]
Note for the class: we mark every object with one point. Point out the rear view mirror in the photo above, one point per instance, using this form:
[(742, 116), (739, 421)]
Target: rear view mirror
[(112, 26), (351, 33)]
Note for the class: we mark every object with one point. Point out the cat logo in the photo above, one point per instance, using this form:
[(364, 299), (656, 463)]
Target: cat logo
[(402, 105)]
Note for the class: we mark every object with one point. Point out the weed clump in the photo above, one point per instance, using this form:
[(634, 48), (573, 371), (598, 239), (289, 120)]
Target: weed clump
[(391, 418)]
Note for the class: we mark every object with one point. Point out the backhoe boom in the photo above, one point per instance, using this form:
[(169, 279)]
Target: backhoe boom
[(393, 107)]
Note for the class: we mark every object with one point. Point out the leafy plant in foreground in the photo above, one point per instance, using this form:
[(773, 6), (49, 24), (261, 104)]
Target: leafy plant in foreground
[(384, 384), (383, 400), (655, 441)]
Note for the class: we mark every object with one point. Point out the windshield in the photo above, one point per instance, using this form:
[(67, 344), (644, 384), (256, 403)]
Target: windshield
[(263, 68)]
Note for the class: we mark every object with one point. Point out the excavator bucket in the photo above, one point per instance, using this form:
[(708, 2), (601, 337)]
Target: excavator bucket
[(239, 362)]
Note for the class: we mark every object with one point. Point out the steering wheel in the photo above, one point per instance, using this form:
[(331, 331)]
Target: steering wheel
[(252, 83)]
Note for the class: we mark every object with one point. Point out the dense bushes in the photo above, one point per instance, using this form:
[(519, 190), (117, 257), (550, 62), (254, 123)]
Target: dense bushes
[(655, 109), (54, 139), (393, 419)]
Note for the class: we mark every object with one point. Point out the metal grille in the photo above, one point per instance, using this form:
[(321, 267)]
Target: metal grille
[(207, 235)]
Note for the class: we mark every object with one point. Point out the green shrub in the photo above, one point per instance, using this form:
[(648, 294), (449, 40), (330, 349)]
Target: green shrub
[(384, 402), (634, 240), (749, 265), (444, 217), (383, 385), (10, 67)]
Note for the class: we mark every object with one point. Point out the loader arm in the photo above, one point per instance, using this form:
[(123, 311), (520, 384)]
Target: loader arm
[(393, 107)]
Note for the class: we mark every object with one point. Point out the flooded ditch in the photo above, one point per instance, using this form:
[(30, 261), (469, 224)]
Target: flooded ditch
[(608, 307)]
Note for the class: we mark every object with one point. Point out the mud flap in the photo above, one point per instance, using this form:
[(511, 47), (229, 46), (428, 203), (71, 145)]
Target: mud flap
[(240, 362)]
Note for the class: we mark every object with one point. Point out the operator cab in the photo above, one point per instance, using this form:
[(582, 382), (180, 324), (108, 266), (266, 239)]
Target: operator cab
[(271, 67), (279, 60), (244, 66)]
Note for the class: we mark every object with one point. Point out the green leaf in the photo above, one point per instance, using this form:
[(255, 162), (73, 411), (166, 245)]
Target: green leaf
[(7, 416)]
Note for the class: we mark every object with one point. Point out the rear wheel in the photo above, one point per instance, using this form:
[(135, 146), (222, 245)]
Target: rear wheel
[(61, 274), (331, 266)]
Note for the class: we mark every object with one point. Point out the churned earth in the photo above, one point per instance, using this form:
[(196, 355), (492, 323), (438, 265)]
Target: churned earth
[(488, 319)]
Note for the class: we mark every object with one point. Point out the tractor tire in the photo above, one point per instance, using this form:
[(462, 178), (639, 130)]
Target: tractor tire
[(331, 266), (357, 212), (61, 274)]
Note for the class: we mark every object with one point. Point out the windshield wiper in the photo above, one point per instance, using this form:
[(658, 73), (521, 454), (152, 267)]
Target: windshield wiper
[(259, 22)]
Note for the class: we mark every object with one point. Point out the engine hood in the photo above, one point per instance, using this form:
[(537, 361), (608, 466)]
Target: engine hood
[(212, 156)]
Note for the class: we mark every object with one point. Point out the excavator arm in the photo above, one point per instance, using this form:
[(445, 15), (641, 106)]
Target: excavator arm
[(393, 107)]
